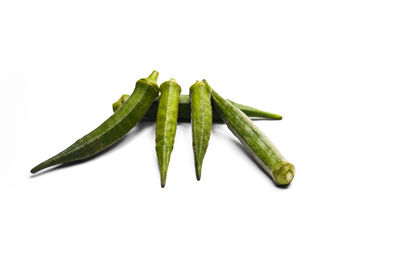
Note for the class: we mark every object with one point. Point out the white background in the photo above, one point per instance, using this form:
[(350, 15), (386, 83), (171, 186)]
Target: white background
[(331, 68)]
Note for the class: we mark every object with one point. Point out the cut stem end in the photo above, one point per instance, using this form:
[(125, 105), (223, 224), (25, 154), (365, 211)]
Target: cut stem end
[(153, 76), (285, 174)]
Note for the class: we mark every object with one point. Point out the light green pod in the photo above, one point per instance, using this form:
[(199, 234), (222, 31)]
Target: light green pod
[(254, 140), (201, 122), (167, 119)]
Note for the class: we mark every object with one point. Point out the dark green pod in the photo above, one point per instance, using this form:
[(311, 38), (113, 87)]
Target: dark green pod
[(254, 140), (201, 122), (113, 128), (185, 110), (167, 119)]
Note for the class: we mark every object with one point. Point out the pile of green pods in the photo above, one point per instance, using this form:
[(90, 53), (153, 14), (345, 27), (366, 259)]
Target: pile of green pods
[(165, 105)]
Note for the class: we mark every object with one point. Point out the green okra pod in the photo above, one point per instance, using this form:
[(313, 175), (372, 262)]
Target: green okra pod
[(254, 140), (167, 119), (201, 122), (255, 113), (113, 128), (117, 104), (185, 110)]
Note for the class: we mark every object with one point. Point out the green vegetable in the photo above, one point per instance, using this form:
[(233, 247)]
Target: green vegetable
[(113, 128), (122, 101), (256, 113), (201, 122), (185, 110), (254, 140), (167, 119)]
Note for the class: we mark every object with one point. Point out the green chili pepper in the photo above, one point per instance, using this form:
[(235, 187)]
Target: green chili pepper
[(254, 140), (113, 128), (201, 122), (167, 119), (185, 110)]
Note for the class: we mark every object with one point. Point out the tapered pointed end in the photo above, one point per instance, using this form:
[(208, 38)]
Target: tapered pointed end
[(198, 172), (273, 116), (36, 169), (153, 76), (163, 178), (268, 116)]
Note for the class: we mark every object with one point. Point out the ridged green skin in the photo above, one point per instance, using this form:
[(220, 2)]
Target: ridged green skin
[(254, 140), (255, 113), (113, 128), (185, 110), (167, 120), (201, 122)]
